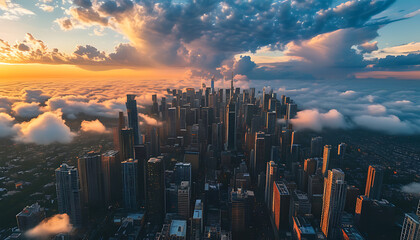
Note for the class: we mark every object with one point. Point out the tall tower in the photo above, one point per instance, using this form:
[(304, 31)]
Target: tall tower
[(90, 173), (126, 144), (155, 187), (184, 199), (231, 87), (133, 118), (326, 160), (270, 177), (334, 199), (130, 189), (68, 195), (231, 124), (111, 173), (316, 147), (374, 182)]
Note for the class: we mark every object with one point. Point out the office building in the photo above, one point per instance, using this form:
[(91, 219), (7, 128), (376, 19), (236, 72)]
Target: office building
[(129, 183), (127, 144), (302, 228), (411, 227), (90, 175), (155, 186), (241, 209), (316, 147), (111, 173), (184, 199), (182, 172), (30, 217), (68, 195), (374, 182), (133, 118), (299, 205), (271, 175), (326, 160), (334, 199), (281, 204)]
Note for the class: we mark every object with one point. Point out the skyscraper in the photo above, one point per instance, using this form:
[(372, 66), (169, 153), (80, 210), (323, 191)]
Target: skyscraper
[(111, 172), (231, 125), (68, 195), (182, 172), (281, 204), (155, 187), (172, 123), (133, 118), (326, 160), (126, 144), (29, 217), (271, 175), (411, 227), (241, 205), (90, 173), (374, 181), (184, 199), (334, 199), (130, 188), (316, 146), (309, 168), (271, 122)]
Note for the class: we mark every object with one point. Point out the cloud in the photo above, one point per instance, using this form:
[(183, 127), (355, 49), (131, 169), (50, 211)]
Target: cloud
[(74, 105), (389, 124), (34, 95), (93, 126), (64, 23), (59, 223), (348, 93), (314, 120), (368, 47), (6, 125), (45, 7), (411, 61), (412, 188), (13, 11), (376, 109), (47, 128), (26, 110), (149, 120)]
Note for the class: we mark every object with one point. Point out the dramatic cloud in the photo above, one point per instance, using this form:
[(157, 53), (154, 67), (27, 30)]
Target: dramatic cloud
[(26, 110), (13, 11), (312, 37), (314, 120), (6, 125), (45, 129), (49, 227), (93, 126)]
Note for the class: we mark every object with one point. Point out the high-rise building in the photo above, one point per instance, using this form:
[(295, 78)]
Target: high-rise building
[(231, 125), (90, 175), (184, 199), (127, 144), (341, 151), (259, 163), (140, 153), (299, 205), (68, 195), (29, 217), (117, 130), (411, 227), (172, 123), (133, 118), (374, 182), (271, 122), (326, 160), (271, 175), (197, 222), (334, 199), (129, 183), (281, 204), (155, 183), (182, 172), (302, 228), (111, 172), (309, 168), (316, 146), (241, 202)]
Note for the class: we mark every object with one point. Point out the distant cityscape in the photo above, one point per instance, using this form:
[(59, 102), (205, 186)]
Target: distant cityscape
[(219, 164)]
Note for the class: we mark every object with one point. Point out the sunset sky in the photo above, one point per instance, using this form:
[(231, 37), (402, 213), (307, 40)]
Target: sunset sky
[(257, 40)]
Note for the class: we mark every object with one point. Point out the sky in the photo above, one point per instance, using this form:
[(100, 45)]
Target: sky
[(258, 40), (348, 64)]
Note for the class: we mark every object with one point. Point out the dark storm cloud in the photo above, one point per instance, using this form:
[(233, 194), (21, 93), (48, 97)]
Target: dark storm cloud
[(411, 60)]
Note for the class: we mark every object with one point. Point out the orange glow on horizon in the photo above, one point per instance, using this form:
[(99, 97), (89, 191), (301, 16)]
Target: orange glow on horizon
[(409, 75), (46, 71)]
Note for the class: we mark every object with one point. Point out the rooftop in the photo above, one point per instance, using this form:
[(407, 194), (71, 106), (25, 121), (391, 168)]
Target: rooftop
[(178, 228)]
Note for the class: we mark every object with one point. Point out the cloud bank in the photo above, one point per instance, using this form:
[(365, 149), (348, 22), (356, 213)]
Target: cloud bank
[(47, 128), (93, 126), (412, 188), (52, 226)]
